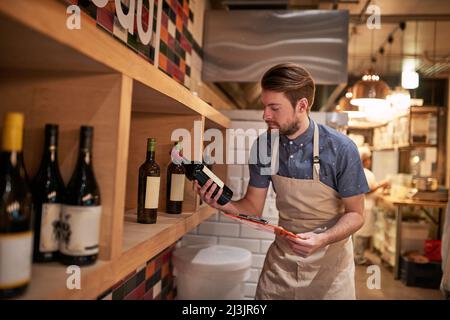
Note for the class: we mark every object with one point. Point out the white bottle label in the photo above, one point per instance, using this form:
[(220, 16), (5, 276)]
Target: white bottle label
[(80, 230), (152, 192), (177, 187), (15, 259), (51, 213), (212, 176)]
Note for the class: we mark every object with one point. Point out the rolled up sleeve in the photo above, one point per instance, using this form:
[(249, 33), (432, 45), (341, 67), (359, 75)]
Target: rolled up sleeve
[(351, 179), (257, 179)]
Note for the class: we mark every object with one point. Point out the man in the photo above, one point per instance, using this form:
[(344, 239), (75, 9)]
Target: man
[(363, 236), (320, 185)]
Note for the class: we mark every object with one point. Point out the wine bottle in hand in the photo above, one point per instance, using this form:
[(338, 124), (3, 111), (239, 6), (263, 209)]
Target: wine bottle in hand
[(200, 172)]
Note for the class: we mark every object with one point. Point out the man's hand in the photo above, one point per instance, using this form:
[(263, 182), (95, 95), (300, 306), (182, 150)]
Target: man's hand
[(207, 191), (307, 243)]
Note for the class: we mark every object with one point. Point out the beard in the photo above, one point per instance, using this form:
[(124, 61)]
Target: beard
[(287, 129)]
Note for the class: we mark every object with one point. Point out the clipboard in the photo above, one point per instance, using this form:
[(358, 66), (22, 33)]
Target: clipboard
[(260, 224)]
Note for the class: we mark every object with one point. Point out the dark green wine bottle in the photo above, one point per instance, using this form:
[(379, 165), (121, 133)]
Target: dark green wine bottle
[(175, 185), (48, 196), (148, 188), (81, 213)]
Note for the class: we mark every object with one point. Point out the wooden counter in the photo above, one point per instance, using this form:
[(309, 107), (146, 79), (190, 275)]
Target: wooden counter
[(413, 202), (399, 204)]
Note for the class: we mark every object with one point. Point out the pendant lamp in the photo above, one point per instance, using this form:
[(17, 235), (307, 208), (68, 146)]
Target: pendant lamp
[(370, 91)]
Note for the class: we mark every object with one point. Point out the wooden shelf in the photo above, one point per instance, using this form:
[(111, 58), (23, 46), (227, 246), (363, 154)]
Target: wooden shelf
[(86, 77), (406, 147), (420, 145), (426, 109), (141, 243), (37, 39)]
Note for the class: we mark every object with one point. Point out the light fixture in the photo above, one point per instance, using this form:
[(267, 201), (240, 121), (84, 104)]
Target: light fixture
[(370, 91), (344, 103), (410, 78), (400, 100)]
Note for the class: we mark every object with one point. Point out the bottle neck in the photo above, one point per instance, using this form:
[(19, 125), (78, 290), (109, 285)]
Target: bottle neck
[(85, 157), (14, 157), (85, 152), (50, 151), (150, 151), (150, 156)]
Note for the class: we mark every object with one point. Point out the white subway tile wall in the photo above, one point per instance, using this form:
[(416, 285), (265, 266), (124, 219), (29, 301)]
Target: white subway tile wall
[(219, 229)]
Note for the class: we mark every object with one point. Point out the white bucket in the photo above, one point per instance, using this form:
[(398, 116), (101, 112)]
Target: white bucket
[(211, 272)]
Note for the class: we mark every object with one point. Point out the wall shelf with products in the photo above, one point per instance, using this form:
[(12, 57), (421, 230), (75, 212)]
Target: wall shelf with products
[(427, 142), (140, 244), (85, 77)]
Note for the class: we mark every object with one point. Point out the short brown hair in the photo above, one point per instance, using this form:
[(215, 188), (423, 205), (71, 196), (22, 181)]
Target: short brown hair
[(291, 79)]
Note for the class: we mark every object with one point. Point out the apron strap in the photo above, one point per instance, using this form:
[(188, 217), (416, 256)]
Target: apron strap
[(316, 163)]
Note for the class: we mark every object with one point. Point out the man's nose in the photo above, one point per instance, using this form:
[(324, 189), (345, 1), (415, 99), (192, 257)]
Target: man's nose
[(267, 115)]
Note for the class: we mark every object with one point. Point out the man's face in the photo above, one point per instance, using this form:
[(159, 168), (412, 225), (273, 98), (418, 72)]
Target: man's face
[(367, 162), (279, 113)]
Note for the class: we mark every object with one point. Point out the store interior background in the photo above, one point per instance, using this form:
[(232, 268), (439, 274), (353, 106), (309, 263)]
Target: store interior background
[(411, 32)]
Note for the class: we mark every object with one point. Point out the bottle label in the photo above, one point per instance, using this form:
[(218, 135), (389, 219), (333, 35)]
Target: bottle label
[(177, 187), (212, 176), (15, 259), (152, 192), (80, 230), (51, 213)]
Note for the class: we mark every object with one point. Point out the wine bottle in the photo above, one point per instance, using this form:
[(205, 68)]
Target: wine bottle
[(81, 211), (48, 193), (200, 172), (175, 185), (148, 186), (16, 211)]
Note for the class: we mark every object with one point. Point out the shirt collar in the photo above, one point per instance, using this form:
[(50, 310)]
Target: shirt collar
[(302, 139)]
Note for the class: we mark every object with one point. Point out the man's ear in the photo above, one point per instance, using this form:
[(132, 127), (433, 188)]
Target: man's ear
[(302, 105)]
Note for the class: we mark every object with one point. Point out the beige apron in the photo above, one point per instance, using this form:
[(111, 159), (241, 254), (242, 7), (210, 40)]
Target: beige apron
[(329, 273)]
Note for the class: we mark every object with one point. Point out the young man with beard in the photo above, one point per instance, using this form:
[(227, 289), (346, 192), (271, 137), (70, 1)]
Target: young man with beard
[(320, 186)]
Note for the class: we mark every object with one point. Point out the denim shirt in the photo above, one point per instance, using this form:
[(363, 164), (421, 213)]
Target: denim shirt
[(340, 163)]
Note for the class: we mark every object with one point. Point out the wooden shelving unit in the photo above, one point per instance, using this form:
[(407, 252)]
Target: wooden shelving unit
[(85, 77), (140, 243)]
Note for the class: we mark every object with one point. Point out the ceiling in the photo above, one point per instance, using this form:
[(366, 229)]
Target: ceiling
[(419, 42)]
